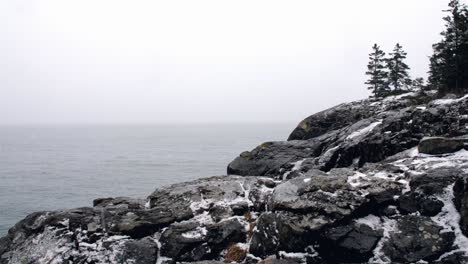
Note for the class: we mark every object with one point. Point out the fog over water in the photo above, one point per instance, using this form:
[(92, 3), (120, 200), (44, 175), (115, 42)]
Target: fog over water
[(115, 61), (58, 167)]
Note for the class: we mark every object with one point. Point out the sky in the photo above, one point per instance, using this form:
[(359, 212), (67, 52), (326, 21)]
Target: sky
[(204, 61)]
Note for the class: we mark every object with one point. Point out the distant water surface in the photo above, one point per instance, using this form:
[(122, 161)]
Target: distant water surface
[(57, 167)]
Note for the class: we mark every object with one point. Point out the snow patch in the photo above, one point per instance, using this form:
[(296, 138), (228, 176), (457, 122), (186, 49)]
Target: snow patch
[(364, 131), (449, 101), (388, 225), (296, 166), (358, 179), (371, 221), (449, 219), (199, 232)]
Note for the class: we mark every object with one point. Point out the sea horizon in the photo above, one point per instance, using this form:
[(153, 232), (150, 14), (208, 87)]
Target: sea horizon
[(53, 167)]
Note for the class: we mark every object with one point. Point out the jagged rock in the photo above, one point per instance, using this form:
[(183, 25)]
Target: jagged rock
[(227, 231), (391, 127), (283, 231), (4, 244), (191, 241), (349, 244), (417, 238), (185, 242), (440, 145), (220, 212), (271, 158), (434, 181), (354, 190), (333, 118), (144, 251), (333, 195), (317, 194), (119, 202), (416, 202), (461, 201), (454, 258)]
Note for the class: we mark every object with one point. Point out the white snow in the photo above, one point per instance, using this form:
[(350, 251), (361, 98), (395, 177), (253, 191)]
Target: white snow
[(388, 225), (160, 259), (449, 101), (383, 175), (203, 218), (328, 152), (115, 238), (398, 97), (199, 232), (296, 166), (302, 257), (449, 219), (365, 130), (307, 180), (246, 195), (200, 205), (335, 194), (424, 162), (371, 220), (358, 179)]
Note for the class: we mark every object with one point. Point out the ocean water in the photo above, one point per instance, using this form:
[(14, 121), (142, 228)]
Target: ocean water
[(58, 167)]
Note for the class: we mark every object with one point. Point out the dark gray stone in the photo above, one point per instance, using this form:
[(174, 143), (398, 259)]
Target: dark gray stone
[(417, 238), (440, 145), (349, 244), (144, 251)]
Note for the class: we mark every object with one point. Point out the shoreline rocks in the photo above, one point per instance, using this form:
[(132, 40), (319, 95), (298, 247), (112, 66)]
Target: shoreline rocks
[(373, 181)]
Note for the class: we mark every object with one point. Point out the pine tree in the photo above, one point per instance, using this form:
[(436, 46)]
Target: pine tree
[(376, 70), (449, 64), (418, 84), (398, 75)]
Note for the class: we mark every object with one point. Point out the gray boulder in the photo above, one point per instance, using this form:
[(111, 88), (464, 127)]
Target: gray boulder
[(417, 238), (352, 243), (440, 145)]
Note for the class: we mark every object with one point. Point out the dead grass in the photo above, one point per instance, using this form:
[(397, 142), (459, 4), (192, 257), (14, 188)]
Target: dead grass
[(235, 254)]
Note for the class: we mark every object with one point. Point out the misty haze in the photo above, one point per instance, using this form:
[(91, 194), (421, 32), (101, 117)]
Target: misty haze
[(233, 131)]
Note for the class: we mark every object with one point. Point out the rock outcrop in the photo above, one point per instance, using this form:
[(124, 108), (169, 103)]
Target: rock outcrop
[(374, 181)]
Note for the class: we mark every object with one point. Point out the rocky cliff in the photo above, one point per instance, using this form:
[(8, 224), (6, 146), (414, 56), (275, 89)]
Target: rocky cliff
[(373, 181)]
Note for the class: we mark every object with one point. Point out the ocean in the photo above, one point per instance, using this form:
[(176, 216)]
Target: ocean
[(59, 167)]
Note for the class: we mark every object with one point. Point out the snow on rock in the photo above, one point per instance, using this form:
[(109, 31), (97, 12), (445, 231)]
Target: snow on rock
[(197, 233), (366, 186), (449, 101), (364, 131), (388, 226), (449, 219), (358, 179), (371, 220), (296, 167)]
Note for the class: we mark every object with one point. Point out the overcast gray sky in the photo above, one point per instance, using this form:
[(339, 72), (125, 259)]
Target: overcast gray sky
[(113, 61)]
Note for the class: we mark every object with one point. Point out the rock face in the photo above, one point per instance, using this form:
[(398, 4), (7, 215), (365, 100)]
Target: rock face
[(381, 129), (440, 145), (374, 181)]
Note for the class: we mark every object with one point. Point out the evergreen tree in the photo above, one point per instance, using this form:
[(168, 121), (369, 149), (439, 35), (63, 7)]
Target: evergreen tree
[(449, 64), (398, 75), (377, 74), (418, 85)]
